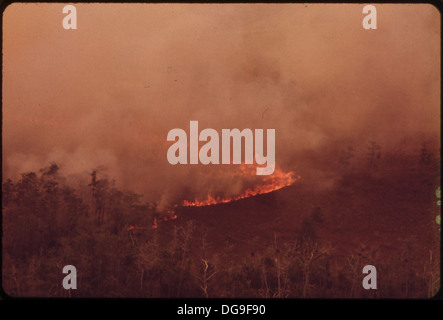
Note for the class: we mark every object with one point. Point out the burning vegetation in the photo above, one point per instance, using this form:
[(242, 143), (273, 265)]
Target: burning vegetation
[(215, 251), (279, 179)]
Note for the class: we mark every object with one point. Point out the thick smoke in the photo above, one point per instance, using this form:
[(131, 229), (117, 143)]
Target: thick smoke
[(107, 93)]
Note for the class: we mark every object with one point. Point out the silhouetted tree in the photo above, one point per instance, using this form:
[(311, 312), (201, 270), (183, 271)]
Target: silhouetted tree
[(346, 156), (99, 188), (425, 155), (374, 154)]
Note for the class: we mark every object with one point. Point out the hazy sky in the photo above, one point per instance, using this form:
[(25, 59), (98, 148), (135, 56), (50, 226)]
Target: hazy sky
[(108, 92)]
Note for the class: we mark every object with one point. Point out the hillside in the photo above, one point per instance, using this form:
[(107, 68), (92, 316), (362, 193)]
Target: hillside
[(304, 240)]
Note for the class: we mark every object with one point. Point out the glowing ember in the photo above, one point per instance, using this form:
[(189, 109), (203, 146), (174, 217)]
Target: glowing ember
[(131, 227), (154, 225), (167, 218), (276, 181)]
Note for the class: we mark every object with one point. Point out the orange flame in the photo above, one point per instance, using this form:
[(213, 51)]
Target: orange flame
[(167, 218), (276, 181), (131, 227), (172, 216)]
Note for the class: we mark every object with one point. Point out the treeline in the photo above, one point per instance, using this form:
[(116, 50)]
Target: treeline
[(47, 225), (107, 235)]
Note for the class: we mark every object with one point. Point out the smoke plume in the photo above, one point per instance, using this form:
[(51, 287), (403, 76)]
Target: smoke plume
[(107, 93)]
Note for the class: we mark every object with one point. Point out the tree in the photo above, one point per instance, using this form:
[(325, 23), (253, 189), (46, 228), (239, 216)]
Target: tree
[(99, 188), (374, 154), (207, 270), (7, 192), (425, 155), (346, 156)]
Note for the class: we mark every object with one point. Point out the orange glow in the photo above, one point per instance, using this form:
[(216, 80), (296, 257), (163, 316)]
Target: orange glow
[(154, 225), (276, 181), (131, 227)]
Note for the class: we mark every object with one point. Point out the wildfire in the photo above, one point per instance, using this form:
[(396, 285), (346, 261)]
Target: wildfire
[(276, 181), (171, 216)]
